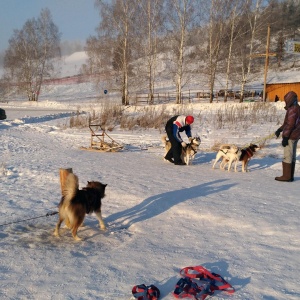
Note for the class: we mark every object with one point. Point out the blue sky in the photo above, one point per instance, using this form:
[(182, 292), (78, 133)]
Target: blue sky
[(76, 19)]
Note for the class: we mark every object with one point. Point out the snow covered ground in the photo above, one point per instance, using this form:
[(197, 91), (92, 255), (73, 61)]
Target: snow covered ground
[(160, 217)]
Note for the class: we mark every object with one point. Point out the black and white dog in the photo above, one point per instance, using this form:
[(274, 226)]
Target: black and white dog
[(246, 155)]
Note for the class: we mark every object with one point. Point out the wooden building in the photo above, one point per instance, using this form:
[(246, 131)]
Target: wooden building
[(281, 84)]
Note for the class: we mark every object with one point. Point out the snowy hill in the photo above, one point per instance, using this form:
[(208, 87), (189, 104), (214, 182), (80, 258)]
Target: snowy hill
[(71, 64)]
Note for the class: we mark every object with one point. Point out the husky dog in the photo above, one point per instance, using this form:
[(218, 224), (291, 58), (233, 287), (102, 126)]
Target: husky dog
[(75, 204), (246, 155), (188, 153), (229, 154)]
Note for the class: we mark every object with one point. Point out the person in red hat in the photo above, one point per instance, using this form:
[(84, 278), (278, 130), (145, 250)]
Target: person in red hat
[(174, 126), (290, 136)]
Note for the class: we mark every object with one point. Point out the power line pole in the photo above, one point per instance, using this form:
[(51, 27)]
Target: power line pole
[(266, 55)]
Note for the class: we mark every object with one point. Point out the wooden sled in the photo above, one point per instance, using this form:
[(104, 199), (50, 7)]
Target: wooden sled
[(98, 143)]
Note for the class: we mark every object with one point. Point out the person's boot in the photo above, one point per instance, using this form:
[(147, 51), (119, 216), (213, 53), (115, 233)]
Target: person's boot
[(293, 170), (287, 171), (169, 155), (180, 163), (169, 159)]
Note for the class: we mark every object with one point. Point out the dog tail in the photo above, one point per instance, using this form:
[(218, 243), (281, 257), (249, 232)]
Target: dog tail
[(224, 146), (71, 187)]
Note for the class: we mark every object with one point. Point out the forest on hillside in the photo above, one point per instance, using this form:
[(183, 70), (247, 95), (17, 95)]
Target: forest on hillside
[(140, 42)]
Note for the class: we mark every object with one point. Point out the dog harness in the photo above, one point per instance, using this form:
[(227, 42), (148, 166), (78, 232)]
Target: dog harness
[(189, 146), (143, 292), (249, 152), (198, 283), (228, 151)]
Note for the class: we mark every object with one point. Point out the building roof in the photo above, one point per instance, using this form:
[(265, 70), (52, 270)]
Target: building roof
[(284, 77)]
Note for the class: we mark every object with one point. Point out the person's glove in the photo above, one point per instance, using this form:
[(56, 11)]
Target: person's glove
[(183, 144), (277, 132), (285, 141)]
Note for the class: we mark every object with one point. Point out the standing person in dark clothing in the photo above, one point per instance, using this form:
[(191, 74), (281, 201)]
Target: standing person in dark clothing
[(174, 126), (290, 136)]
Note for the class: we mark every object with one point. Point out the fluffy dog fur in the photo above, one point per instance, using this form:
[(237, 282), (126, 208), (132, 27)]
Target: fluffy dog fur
[(187, 154), (75, 204), (229, 154), (246, 155)]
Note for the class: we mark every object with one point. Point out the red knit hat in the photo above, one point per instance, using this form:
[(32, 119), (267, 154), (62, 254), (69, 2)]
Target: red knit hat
[(189, 120)]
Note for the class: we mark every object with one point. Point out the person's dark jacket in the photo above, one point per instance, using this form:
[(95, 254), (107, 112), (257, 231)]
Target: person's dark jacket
[(291, 125)]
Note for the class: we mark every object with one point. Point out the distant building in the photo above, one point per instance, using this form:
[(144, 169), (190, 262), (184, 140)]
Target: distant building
[(281, 84)]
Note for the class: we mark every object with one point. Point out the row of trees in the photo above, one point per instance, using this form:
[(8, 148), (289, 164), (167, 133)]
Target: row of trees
[(138, 42), (203, 36), (30, 56)]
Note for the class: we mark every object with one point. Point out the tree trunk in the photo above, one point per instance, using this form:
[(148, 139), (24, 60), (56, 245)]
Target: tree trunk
[(230, 53)]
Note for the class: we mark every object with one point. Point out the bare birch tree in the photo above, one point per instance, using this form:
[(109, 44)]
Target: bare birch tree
[(96, 54), (237, 8), (30, 55), (248, 56), (216, 23), (182, 15), (117, 19), (150, 26)]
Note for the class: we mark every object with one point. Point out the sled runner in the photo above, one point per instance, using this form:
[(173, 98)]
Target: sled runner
[(99, 144)]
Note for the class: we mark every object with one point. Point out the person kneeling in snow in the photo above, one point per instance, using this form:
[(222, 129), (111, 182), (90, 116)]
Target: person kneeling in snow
[(290, 136), (174, 126)]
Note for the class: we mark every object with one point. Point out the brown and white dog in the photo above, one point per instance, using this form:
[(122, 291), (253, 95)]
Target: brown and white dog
[(229, 154), (246, 155), (75, 204), (188, 153)]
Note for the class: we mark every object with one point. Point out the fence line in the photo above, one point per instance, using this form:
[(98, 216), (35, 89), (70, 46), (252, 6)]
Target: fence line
[(189, 96), (170, 97)]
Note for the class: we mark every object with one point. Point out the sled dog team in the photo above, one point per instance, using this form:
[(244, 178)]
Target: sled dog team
[(232, 153), (76, 203), (180, 153)]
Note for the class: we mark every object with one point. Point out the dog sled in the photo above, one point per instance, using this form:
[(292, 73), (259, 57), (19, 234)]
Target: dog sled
[(101, 141)]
